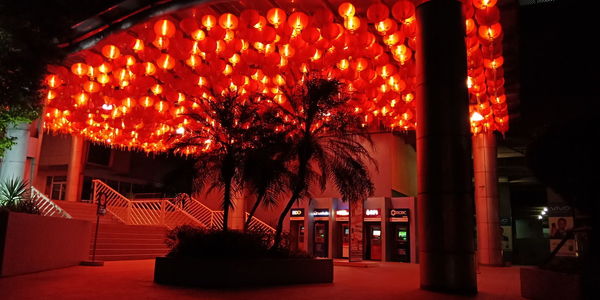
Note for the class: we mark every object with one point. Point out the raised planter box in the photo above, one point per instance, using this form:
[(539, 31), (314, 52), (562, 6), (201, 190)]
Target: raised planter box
[(543, 284), (236, 273), (32, 243)]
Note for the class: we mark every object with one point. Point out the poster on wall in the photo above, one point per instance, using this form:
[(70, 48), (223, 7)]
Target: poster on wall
[(356, 230), (559, 228)]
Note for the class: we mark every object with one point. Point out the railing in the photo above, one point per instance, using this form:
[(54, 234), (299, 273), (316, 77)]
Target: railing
[(46, 206), (259, 226), (141, 212), (185, 210)]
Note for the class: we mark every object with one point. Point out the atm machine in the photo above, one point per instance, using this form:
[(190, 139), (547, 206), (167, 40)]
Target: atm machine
[(345, 240), (297, 230), (373, 241), (400, 235), (321, 239)]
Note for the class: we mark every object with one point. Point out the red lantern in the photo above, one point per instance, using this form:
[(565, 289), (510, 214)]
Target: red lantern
[(483, 4), (164, 28), (166, 62), (404, 11), (111, 51), (346, 10), (79, 69), (276, 16), (298, 20), (377, 12), (228, 21), (487, 16)]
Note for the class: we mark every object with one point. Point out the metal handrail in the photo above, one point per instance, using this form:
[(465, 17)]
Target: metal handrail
[(163, 211), (46, 206)]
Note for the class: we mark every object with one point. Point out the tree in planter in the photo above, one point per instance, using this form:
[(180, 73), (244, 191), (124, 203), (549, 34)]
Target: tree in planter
[(232, 126), (16, 196), (266, 175), (326, 141)]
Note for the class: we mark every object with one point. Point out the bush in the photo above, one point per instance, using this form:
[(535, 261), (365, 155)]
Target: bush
[(194, 242)]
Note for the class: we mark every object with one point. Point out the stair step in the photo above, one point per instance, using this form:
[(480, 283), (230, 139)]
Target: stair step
[(130, 246), (126, 257), (155, 251), (128, 241)]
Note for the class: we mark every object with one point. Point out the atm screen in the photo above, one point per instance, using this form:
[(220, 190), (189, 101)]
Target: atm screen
[(402, 235), (346, 231), (376, 233)]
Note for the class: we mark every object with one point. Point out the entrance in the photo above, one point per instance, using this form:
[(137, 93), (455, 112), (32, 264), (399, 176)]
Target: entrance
[(400, 242), (373, 240), (321, 239), (297, 235)]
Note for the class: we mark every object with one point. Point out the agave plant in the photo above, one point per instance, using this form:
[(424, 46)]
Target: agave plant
[(16, 196)]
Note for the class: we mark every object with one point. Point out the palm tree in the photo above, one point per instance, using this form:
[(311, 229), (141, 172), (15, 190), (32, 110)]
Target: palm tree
[(326, 141), (231, 126), (266, 175)]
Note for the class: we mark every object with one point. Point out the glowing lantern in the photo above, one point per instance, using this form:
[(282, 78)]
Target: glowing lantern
[(128, 102), (343, 64), (201, 81), (487, 16), (146, 101), (469, 26), (402, 53), (111, 52), (79, 69), (161, 106), (490, 33), (121, 74), (286, 51), (166, 62), (103, 79), (385, 26), (298, 20), (81, 98), (393, 39), (149, 68), (193, 61), (276, 16), (228, 21), (352, 23), (198, 35), (280, 98), (51, 95), (377, 12), (346, 10), (161, 43), (209, 21), (91, 87), (105, 68), (404, 11), (53, 81), (387, 70), (138, 45), (164, 28), (483, 4), (493, 63), (156, 89)]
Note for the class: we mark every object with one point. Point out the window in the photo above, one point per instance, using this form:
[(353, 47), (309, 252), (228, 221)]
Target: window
[(56, 187)]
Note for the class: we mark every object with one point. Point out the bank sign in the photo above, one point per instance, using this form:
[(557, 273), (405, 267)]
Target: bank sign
[(321, 214), (399, 215), (297, 214)]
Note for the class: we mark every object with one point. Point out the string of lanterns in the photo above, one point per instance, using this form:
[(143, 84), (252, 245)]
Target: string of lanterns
[(134, 88)]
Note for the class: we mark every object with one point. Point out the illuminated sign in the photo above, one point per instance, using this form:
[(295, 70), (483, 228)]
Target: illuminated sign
[(372, 212), (399, 215), (342, 212), (320, 212), (342, 215), (297, 214)]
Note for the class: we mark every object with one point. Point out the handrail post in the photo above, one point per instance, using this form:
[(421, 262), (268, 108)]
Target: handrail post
[(129, 212), (94, 186), (163, 205)]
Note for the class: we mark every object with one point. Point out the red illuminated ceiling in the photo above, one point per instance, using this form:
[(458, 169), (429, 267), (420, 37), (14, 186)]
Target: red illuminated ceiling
[(133, 88)]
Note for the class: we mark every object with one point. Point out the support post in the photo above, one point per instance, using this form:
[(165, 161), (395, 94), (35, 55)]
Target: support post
[(13, 163), (75, 169), (445, 200), (489, 247)]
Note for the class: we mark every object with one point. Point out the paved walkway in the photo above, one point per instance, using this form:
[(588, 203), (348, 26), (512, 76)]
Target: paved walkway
[(133, 280)]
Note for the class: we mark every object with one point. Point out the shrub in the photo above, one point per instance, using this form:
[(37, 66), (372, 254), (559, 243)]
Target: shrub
[(194, 242), (15, 197)]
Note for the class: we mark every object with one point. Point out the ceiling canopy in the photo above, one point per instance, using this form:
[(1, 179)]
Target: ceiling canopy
[(134, 88)]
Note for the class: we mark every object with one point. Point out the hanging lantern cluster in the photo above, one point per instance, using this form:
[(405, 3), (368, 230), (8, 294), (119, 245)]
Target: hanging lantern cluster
[(134, 88), (488, 109)]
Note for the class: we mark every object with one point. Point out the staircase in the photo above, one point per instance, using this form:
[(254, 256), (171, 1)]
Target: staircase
[(118, 241)]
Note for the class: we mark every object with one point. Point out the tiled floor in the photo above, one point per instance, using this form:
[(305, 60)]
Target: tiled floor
[(133, 280)]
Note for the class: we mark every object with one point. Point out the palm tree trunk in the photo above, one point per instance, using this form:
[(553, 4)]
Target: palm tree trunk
[(259, 199), (226, 203), (286, 210)]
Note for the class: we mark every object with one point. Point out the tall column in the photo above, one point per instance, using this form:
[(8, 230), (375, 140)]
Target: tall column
[(13, 163), (489, 245), (445, 202), (75, 170)]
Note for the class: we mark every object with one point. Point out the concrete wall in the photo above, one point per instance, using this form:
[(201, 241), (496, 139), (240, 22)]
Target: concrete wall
[(32, 243), (56, 150)]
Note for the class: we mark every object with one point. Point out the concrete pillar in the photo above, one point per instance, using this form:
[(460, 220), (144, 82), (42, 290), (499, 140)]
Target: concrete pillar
[(13, 163), (489, 245), (445, 200), (75, 170)]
